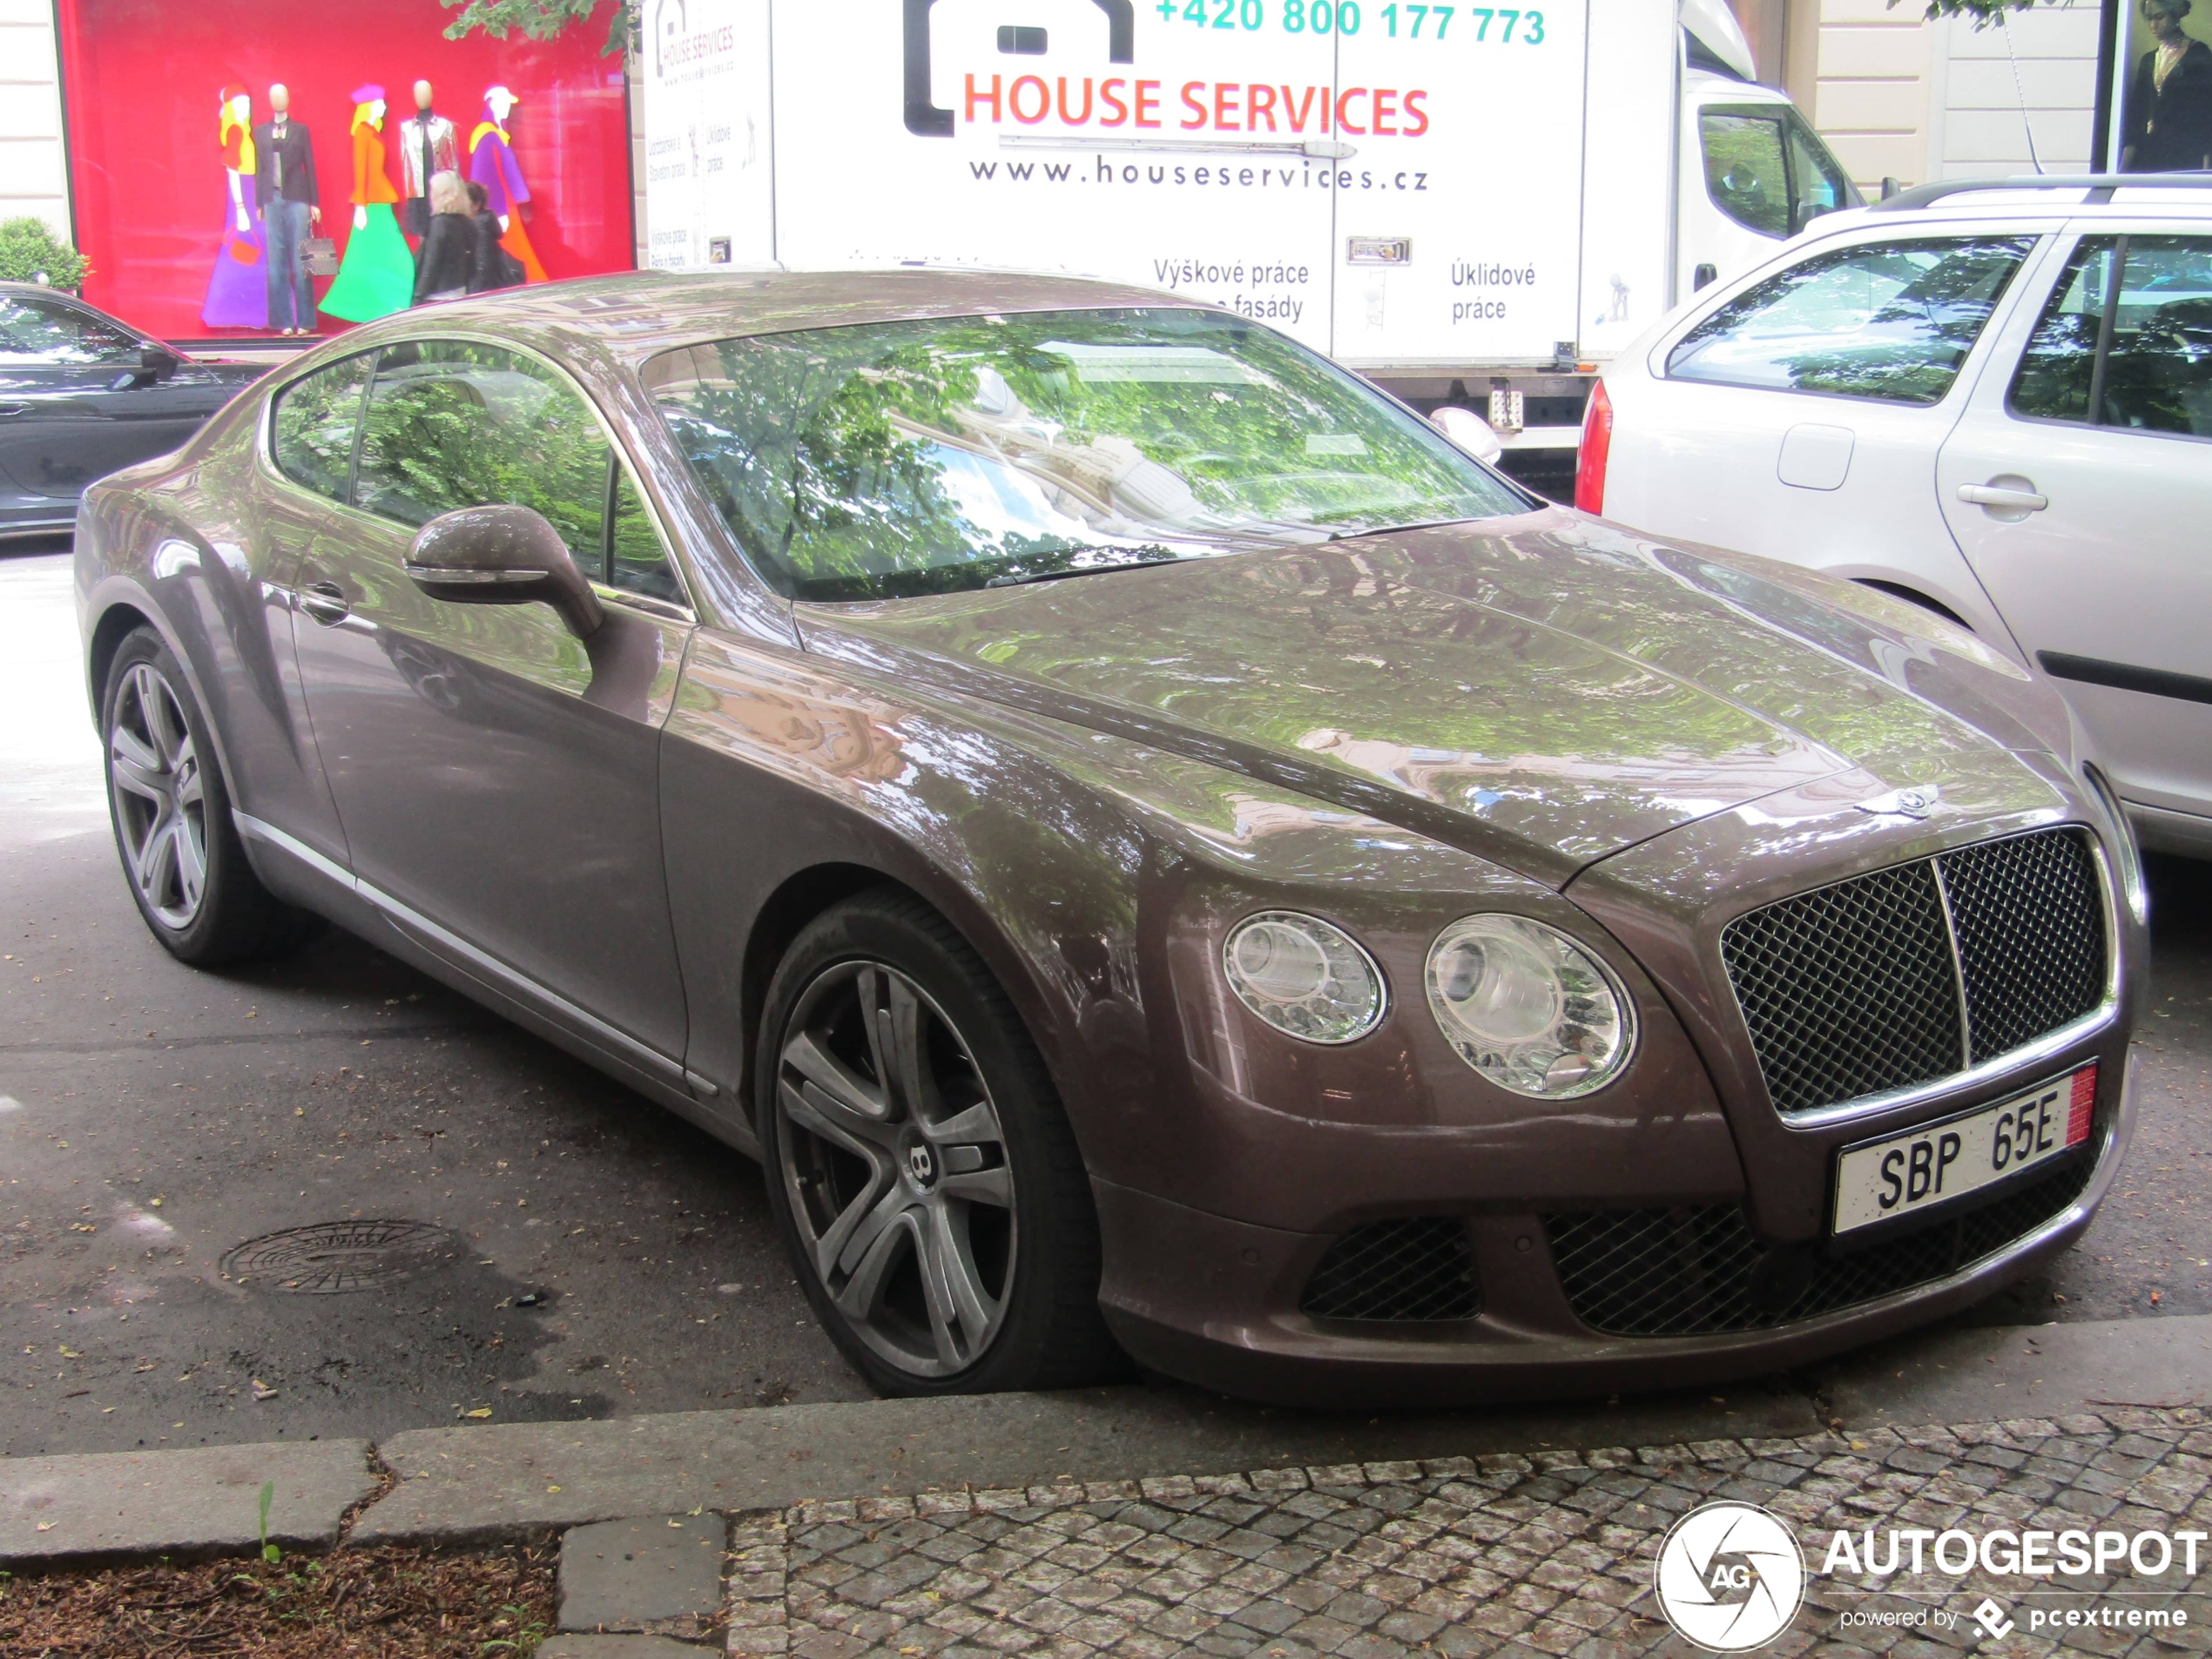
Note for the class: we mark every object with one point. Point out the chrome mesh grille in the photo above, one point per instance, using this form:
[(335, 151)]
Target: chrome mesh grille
[(1702, 1272), (1848, 990), (1853, 989), (1419, 1268), (2031, 935)]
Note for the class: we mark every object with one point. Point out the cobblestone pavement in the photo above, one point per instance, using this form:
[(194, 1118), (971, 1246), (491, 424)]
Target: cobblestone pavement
[(1496, 1555)]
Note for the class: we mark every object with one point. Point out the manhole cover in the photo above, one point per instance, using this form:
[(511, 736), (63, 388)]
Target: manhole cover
[(333, 1256)]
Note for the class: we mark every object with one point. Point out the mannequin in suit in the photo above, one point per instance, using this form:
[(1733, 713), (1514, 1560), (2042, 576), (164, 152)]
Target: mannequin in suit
[(284, 182)]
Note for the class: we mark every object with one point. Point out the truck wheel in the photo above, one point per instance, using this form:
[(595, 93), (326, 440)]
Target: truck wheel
[(927, 1185), (181, 853)]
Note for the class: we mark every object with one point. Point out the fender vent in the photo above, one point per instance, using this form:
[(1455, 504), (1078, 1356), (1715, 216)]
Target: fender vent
[(1419, 1268)]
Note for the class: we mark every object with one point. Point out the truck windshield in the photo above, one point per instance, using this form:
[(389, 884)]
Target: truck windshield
[(887, 460)]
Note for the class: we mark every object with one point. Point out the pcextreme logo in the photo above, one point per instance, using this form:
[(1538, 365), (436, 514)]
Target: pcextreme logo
[(1730, 1576)]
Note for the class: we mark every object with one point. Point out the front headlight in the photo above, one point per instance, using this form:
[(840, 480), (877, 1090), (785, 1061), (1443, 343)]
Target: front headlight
[(1528, 1007), (1304, 976)]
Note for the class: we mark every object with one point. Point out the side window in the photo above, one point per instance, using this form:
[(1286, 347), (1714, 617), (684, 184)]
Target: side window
[(1892, 320), (636, 563), (451, 423), (1745, 173), (2136, 353), (2056, 370), (311, 433), (47, 332), (1818, 182)]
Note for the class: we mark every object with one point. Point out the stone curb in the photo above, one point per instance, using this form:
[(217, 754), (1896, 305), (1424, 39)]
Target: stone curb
[(204, 1501), (525, 1481)]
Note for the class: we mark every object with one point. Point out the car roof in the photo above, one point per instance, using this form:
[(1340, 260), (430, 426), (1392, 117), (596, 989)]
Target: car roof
[(2026, 202), (633, 315)]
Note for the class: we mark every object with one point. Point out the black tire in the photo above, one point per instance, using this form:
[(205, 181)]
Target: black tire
[(974, 1097), (171, 812)]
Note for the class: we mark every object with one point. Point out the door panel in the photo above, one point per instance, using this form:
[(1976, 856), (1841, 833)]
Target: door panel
[(498, 774), (1802, 419), (2108, 578), (494, 773)]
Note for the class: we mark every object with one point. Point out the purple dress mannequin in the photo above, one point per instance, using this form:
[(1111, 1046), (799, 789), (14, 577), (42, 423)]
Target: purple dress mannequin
[(238, 288)]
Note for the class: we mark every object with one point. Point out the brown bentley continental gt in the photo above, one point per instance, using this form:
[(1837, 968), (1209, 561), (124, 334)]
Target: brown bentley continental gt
[(1154, 848)]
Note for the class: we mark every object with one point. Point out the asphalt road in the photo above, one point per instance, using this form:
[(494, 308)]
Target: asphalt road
[(153, 1118)]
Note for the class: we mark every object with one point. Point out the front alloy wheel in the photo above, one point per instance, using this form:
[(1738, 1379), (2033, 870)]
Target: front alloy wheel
[(894, 1166), (160, 796), (925, 1179)]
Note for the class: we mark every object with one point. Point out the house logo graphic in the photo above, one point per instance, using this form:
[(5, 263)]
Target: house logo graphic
[(924, 119)]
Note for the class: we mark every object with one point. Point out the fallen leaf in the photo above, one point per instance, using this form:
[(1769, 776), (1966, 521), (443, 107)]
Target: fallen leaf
[(481, 1411), (45, 1526)]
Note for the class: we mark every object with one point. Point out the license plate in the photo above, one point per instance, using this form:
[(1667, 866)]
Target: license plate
[(1938, 1162)]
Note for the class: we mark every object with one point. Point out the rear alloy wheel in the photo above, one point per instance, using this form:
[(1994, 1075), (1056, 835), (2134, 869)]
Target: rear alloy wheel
[(160, 796), (181, 853), (927, 1184)]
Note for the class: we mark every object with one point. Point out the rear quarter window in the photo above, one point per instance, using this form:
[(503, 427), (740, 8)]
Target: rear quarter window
[(313, 428)]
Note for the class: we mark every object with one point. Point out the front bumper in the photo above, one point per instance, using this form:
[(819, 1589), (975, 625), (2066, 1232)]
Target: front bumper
[(1215, 1301)]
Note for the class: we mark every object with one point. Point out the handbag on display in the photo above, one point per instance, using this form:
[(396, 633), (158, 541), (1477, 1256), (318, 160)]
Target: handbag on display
[(319, 255)]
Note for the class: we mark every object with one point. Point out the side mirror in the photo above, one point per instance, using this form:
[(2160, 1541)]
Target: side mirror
[(155, 363), (501, 555), (1470, 432)]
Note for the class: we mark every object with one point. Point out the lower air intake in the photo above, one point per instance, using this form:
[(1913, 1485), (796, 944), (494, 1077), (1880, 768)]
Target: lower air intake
[(1417, 1269), (1702, 1272)]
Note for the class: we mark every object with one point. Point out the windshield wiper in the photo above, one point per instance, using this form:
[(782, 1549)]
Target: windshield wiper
[(1023, 578), (1392, 530)]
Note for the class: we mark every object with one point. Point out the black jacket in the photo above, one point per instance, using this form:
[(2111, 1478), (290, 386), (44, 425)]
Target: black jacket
[(292, 161), (442, 260), (2169, 128), (486, 260)]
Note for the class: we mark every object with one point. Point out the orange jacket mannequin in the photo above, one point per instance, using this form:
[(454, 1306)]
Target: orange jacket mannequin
[(371, 182)]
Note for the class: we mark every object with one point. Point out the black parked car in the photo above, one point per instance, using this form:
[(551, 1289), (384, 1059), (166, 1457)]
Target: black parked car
[(82, 394)]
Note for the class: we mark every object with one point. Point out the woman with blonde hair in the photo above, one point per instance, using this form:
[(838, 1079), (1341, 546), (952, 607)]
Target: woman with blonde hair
[(441, 263), (377, 275), (238, 288)]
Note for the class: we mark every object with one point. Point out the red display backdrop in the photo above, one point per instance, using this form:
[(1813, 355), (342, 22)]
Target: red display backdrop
[(143, 80)]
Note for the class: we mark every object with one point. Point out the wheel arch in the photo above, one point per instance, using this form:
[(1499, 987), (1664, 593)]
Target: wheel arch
[(118, 619), (805, 893), (1911, 594)]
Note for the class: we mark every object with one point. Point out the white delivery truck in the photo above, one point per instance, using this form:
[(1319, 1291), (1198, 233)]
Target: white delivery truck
[(1471, 204)]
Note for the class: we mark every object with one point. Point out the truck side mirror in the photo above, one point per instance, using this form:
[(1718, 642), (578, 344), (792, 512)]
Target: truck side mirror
[(502, 555)]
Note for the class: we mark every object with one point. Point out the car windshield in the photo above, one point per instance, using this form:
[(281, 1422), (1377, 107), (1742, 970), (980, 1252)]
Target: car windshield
[(887, 460)]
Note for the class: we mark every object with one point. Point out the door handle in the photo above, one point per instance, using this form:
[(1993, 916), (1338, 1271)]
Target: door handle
[(325, 601), (2016, 501)]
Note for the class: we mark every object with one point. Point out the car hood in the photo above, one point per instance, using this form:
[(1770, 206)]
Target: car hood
[(1544, 691)]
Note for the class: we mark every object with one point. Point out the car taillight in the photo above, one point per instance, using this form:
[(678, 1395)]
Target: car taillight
[(1597, 441)]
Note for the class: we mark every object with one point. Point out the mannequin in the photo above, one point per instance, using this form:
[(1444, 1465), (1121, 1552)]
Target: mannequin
[(427, 147), (378, 276), (491, 164), (284, 180), (238, 289)]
